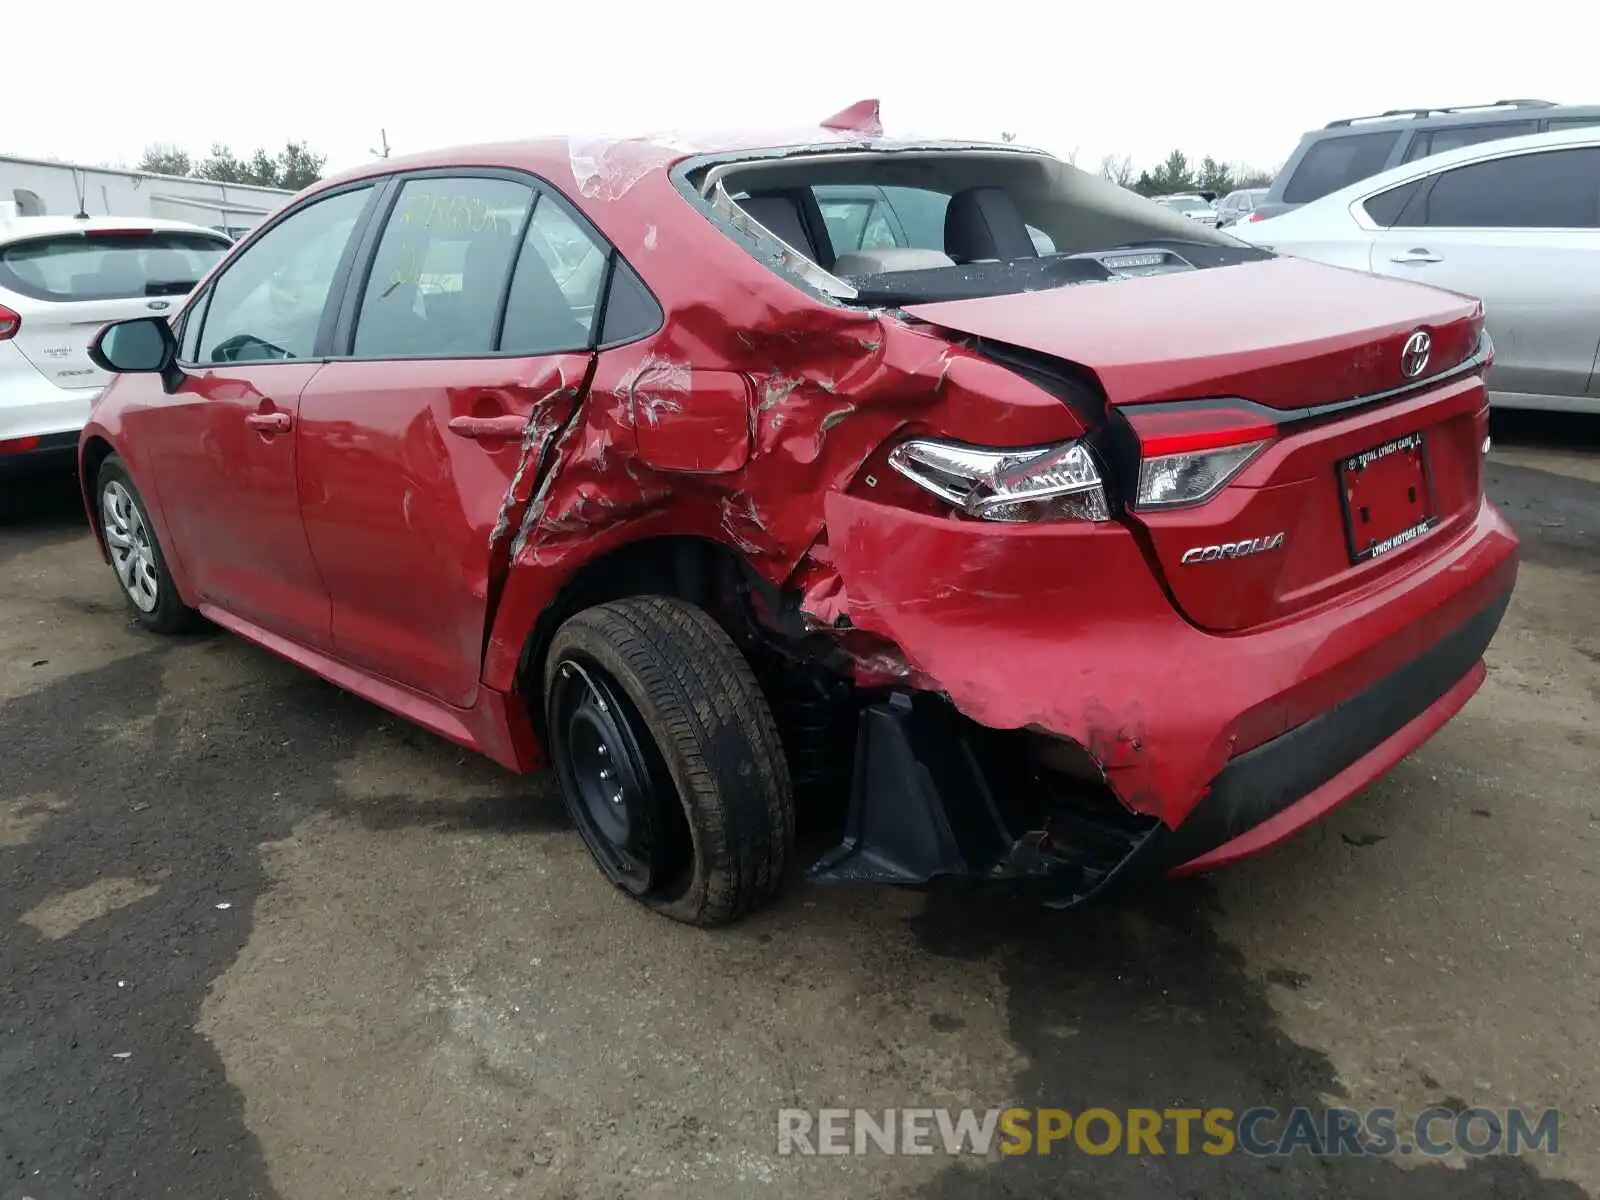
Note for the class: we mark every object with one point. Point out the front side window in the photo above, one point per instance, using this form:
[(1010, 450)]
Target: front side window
[(1556, 189), (1336, 162), (441, 268), (268, 304), (109, 264)]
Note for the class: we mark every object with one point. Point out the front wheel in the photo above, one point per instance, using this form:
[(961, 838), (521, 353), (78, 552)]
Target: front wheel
[(669, 759), (135, 554)]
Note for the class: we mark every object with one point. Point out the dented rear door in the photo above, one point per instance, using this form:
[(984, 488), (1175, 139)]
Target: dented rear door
[(422, 448)]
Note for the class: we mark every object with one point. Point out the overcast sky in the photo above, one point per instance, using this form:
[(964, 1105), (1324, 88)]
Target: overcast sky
[(1239, 80)]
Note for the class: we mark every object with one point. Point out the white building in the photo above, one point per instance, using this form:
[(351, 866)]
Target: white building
[(35, 187)]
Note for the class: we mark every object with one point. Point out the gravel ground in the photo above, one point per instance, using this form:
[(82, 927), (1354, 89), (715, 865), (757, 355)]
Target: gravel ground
[(258, 939)]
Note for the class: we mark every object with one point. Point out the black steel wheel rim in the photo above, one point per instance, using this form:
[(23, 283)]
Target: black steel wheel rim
[(605, 770)]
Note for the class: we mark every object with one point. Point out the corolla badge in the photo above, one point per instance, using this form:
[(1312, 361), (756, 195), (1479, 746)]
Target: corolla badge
[(159, 305), (1414, 356), (1224, 550)]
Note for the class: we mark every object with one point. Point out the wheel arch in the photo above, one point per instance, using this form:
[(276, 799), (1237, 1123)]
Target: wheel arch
[(696, 569), (92, 454)]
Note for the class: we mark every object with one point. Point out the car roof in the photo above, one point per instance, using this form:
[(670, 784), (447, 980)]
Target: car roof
[(1470, 114), (1582, 135), (16, 228), (602, 167)]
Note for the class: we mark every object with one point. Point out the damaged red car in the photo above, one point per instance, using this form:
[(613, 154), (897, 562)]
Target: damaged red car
[(1018, 527)]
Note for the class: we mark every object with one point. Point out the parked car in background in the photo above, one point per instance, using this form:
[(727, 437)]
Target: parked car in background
[(1514, 222), (1192, 205), (762, 515), (1238, 205), (1351, 149), (61, 280)]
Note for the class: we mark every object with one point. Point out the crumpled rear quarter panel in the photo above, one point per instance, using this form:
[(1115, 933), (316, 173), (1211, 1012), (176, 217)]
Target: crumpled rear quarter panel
[(736, 420)]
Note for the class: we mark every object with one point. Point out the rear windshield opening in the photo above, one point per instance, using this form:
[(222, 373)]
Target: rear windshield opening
[(908, 226), (108, 266)]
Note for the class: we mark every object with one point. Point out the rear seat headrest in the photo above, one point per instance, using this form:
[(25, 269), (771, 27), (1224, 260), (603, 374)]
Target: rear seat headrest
[(983, 222)]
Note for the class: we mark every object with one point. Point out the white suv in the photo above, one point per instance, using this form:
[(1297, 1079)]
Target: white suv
[(61, 279)]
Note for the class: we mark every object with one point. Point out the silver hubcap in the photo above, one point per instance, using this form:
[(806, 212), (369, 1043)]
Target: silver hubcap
[(128, 539)]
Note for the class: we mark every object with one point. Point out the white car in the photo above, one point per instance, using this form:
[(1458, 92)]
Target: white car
[(1514, 222), (61, 279), (1192, 205)]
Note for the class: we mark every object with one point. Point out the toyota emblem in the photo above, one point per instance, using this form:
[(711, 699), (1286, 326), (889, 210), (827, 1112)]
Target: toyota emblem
[(1414, 357)]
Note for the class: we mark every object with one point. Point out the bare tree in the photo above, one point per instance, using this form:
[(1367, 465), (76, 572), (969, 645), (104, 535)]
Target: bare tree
[(1118, 168)]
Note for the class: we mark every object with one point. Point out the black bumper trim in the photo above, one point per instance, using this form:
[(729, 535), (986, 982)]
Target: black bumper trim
[(938, 798), (1265, 780)]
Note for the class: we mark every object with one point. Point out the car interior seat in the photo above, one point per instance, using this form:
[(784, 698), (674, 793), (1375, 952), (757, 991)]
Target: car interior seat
[(780, 215), (982, 224)]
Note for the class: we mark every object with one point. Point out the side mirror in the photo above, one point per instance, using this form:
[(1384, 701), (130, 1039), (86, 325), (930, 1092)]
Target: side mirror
[(144, 345)]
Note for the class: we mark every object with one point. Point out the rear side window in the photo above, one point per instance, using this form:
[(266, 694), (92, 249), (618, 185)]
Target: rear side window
[(556, 286), (441, 268), (1335, 162), (1437, 141), (1557, 189), (96, 265), (1385, 208)]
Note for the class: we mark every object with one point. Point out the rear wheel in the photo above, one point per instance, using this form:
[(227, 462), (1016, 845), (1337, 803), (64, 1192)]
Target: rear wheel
[(668, 758), (135, 554)]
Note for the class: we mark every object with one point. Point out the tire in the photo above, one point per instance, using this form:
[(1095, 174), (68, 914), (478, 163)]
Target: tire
[(701, 803), (137, 561)]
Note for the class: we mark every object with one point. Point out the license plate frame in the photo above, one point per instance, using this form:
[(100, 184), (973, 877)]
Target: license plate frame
[(1396, 458)]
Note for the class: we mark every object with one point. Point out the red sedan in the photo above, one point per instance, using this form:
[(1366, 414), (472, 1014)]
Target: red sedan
[(1024, 527)]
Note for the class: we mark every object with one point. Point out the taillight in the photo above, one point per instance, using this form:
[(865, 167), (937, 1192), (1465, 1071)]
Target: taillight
[(19, 445), (1037, 483), (1189, 452), (10, 322), (1255, 216)]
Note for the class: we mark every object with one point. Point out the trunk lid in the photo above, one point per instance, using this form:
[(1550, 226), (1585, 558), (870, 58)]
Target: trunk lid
[(1282, 332), (70, 285), (1335, 498)]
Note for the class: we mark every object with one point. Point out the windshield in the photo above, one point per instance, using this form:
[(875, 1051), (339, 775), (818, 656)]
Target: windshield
[(1188, 204), (109, 264)]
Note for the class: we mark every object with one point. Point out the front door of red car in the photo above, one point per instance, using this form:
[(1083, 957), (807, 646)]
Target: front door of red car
[(472, 327), (222, 447)]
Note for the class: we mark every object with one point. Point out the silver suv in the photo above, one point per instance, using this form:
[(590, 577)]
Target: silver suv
[(1351, 149)]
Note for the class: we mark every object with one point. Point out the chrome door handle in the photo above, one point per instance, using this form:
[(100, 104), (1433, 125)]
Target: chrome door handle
[(270, 422), (1418, 255)]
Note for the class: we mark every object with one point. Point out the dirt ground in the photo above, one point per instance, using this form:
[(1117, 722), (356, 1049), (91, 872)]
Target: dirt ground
[(258, 939)]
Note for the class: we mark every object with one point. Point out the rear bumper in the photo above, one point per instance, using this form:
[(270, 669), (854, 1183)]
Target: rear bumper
[(32, 406), (1199, 749), (42, 452)]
